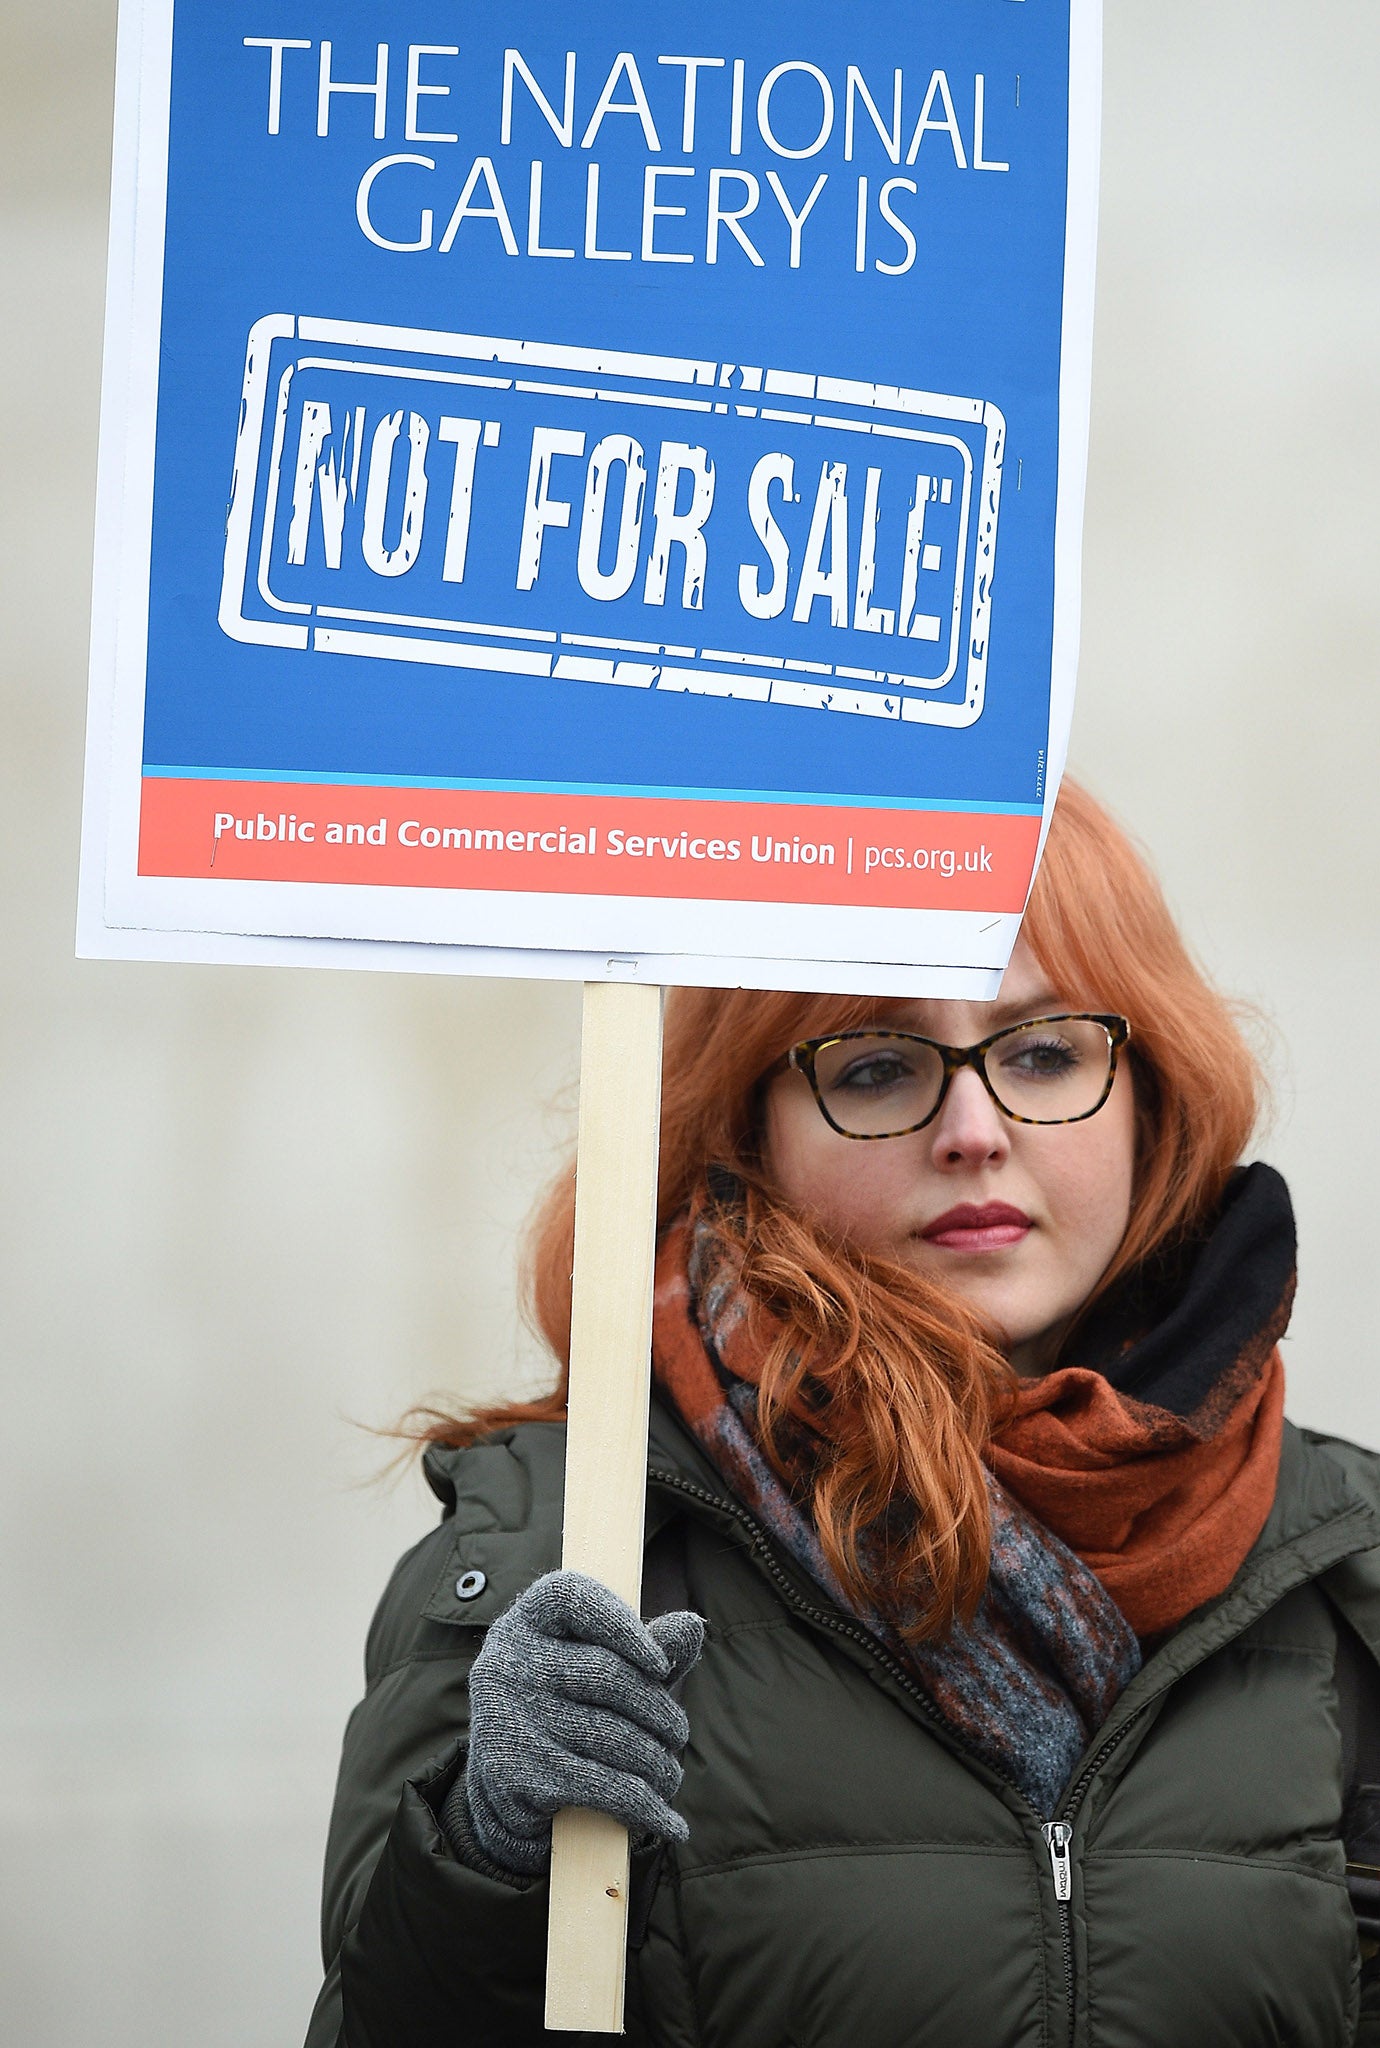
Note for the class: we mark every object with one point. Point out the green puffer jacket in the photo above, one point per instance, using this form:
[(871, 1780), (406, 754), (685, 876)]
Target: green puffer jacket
[(853, 1878)]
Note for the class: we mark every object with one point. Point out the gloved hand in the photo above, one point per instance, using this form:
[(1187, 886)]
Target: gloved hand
[(570, 1705)]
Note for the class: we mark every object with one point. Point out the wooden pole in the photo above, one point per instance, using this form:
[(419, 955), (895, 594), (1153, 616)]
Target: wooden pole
[(606, 1450)]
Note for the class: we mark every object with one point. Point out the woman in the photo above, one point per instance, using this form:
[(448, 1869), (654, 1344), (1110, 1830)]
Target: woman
[(1037, 1700)]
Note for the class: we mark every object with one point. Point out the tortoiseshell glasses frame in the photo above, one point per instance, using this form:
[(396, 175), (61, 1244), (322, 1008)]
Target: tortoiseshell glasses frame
[(802, 1056)]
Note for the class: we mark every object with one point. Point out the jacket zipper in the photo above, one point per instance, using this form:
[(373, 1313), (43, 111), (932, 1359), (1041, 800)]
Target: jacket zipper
[(1058, 1835)]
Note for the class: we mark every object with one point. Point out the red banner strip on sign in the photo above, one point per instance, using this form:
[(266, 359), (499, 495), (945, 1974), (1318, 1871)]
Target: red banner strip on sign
[(597, 846)]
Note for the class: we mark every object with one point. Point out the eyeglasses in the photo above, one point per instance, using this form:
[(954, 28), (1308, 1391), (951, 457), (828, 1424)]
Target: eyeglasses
[(885, 1084)]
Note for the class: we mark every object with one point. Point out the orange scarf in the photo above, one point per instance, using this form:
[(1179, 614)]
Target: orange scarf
[(1162, 1507)]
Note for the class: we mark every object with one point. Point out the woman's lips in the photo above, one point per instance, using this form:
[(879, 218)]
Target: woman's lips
[(970, 1228)]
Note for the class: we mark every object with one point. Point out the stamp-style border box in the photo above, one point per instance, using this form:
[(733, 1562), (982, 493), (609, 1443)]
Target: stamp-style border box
[(690, 386)]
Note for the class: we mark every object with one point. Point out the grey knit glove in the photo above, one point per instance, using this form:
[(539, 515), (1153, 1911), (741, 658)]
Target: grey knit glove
[(570, 1705)]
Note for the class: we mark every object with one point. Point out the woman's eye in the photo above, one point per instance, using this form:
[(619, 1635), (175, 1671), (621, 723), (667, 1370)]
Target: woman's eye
[(882, 1070), (1040, 1059)]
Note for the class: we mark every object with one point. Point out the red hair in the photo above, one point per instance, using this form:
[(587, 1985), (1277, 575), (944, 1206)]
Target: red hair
[(900, 1377)]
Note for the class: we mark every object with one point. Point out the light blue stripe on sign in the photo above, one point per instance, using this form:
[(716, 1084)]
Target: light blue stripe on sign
[(750, 796)]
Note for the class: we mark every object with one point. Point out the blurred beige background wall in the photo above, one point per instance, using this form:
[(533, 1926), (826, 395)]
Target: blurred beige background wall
[(244, 1210)]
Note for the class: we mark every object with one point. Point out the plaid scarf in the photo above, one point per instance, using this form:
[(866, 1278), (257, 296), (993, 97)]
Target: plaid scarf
[(1035, 1674)]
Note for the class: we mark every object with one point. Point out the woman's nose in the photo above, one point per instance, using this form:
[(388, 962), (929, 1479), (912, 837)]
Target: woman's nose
[(969, 1130)]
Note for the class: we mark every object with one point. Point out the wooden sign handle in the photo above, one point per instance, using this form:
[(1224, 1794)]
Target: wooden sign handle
[(606, 1450)]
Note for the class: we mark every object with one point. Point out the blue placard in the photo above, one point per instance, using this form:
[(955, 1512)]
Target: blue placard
[(672, 412)]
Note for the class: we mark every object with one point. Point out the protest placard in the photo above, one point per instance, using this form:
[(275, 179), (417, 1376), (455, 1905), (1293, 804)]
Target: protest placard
[(612, 493), (594, 495)]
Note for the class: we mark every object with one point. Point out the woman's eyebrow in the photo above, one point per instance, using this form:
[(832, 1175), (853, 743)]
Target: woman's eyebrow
[(1043, 1004)]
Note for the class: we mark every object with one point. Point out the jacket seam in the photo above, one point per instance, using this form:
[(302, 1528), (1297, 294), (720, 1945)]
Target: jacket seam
[(809, 1852), (1278, 1866), (782, 1624), (1244, 1647), (448, 1656)]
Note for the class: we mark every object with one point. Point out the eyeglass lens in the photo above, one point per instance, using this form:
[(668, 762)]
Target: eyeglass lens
[(877, 1086)]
